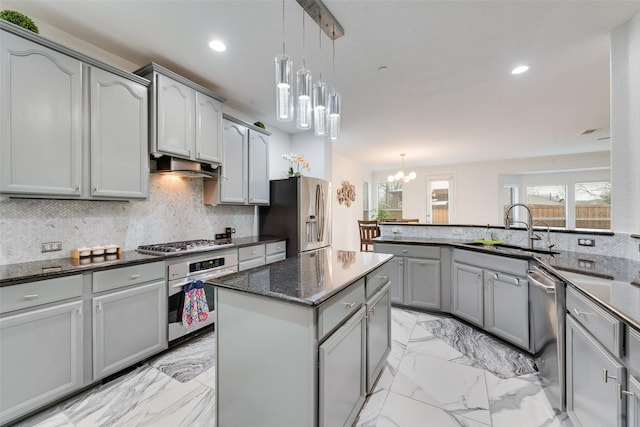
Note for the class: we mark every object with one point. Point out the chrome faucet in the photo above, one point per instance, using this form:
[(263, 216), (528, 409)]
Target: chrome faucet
[(549, 244), (528, 224)]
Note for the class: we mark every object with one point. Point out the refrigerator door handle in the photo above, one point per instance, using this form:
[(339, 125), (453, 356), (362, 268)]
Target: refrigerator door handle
[(319, 213)]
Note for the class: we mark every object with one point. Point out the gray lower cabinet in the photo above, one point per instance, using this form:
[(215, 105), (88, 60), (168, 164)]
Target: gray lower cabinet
[(467, 293), (342, 377), (422, 283), (40, 357), (397, 279), (378, 334), (128, 325), (506, 312), (594, 380)]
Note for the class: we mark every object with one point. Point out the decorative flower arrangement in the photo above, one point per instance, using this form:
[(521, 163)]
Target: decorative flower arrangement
[(295, 163), (347, 193)]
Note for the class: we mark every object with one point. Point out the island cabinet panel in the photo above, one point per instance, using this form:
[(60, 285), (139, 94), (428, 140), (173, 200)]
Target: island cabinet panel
[(41, 127), (40, 357), (342, 379), (266, 361), (594, 380), (468, 297)]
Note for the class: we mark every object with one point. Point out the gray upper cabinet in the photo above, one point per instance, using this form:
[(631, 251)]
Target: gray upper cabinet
[(119, 135), (186, 118), (41, 96), (258, 168), (233, 177), (72, 127), (244, 176)]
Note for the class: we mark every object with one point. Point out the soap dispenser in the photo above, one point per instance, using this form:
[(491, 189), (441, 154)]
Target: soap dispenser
[(488, 234)]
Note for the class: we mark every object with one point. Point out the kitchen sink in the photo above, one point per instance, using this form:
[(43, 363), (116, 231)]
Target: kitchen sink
[(516, 248)]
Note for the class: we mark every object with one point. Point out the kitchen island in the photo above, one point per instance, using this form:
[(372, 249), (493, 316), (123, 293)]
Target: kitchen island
[(300, 342)]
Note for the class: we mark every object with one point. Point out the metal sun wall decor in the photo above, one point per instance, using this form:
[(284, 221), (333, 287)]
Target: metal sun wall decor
[(347, 193)]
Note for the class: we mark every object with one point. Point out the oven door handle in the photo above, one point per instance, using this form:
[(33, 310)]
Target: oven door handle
[(203, 277)]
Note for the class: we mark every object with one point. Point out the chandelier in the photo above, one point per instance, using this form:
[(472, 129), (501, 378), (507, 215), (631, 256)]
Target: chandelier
[(401, 175), (312, 105)]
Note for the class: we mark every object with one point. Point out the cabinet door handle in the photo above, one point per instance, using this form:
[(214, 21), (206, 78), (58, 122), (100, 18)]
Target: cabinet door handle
[(400, 263), (80, 311), (99, 306), (606, 377), (32, 296), (134, 276), (516, 280), (496, 276), (622, 393), (349, 305), (578, 312), (372, 310), (404, 251), (423, 263), (95, 189), (77, 189), (383, 278)]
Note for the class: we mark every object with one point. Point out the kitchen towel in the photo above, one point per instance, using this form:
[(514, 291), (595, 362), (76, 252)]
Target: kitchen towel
[(195, 307)]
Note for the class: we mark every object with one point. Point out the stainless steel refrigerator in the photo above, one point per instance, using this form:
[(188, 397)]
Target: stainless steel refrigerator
[(300, 211)]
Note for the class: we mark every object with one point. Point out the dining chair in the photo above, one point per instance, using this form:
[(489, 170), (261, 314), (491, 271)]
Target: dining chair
[(369, 230)]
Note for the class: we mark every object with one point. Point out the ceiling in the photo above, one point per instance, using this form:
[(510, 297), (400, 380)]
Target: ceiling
[(447, 96)]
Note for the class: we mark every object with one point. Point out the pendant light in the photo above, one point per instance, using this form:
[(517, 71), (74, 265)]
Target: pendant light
[(335, 101), (284, 95), (320, 97), (400, 175), (303, 86)]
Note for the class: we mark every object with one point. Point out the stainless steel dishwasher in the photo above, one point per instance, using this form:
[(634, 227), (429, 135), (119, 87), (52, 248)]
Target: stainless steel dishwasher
[(547, 295)]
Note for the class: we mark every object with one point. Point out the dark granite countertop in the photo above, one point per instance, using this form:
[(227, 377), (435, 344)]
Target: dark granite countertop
[(309, 278), (14, 274), (612, 282)]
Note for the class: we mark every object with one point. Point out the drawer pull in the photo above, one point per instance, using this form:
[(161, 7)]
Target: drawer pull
[(349, 305), (32, 296), (578, 312), (516, 280), (372, 310), (404, 251), (606, 377), (383, 278), (622, 393), (496, 276), (134, 276)]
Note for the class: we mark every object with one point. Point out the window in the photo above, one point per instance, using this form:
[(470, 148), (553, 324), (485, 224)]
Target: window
[(390, 199), (593, 205), (366, 214), (548, 204), (439, 199)]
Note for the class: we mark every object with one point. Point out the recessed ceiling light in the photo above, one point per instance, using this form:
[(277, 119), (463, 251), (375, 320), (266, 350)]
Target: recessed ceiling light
[(217, 45), (383, 69), (520, 69)]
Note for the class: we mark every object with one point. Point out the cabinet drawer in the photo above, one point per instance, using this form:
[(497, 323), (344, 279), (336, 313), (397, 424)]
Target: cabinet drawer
[(633, 351), (603, 326), (276, 257), (245, 265), (251, 252), (335, 310), (420, 251), (276, 247), (377, 279), (127, 276), (33, 294)]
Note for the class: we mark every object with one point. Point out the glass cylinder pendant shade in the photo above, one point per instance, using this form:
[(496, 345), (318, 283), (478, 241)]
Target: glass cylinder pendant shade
[(319, 108), (305, 108), (335, 105), (284, 91)]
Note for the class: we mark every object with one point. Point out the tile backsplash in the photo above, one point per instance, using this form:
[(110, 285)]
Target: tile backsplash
[(174, 211), (617, 245)]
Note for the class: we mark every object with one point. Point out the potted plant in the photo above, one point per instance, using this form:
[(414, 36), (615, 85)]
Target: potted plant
[(381, 215), (19, 19)]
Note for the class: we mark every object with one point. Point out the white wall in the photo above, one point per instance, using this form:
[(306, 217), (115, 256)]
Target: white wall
[(345, 234), (477, 185), (625, 126), (316, 150)]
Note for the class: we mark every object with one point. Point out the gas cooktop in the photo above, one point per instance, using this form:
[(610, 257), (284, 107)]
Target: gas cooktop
[(185, 246)]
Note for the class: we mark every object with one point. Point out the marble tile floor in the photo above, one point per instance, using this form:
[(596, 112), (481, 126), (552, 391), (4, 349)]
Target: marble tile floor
[(439, 373)]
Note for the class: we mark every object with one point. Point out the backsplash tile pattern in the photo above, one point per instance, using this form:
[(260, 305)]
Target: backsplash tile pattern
[(174, 211), (619, 245)]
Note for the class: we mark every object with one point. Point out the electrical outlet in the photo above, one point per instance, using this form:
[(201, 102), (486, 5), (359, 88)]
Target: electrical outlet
[(50, 246), (586, 264), (586, 242)]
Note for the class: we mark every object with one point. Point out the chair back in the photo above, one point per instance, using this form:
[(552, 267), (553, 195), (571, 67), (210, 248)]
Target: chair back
[(409, 220), (369, 230)]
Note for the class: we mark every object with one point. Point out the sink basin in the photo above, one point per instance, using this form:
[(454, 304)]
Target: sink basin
[(517, 248)]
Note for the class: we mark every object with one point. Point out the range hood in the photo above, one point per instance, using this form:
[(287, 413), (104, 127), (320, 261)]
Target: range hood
[(185, 168)]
